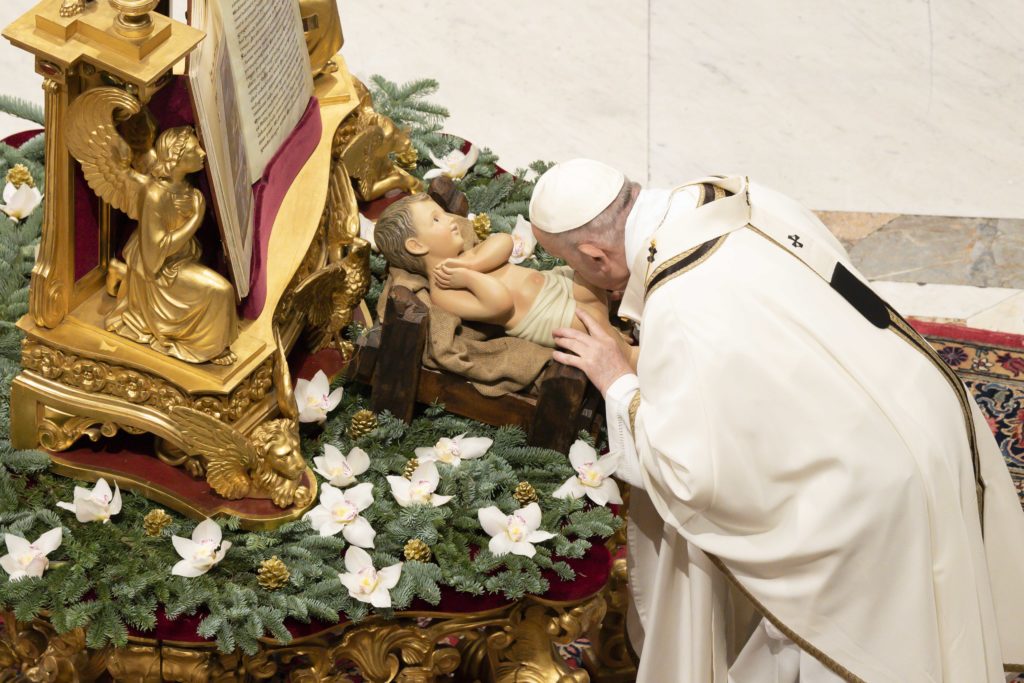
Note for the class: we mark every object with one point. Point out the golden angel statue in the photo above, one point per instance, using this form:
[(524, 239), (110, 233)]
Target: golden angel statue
[(166, 298)]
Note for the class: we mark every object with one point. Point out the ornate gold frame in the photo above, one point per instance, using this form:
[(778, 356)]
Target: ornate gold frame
[(505, 645), (80, 380)]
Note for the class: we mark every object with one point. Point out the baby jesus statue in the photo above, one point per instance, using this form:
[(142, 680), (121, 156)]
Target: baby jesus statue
[(478, 283)]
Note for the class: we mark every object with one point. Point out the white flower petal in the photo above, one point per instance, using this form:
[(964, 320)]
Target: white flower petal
[(610, 490), (186, 568), (380, 598), (358, 460), (500, 545), (608, 463), (426, 454), (49, 541), (492, 520), (101, 491), (9, 190), (572, 488), (473, 446), (581, 453), (531, 515), (312, 414), (470, 158), (66, 506), (319, 385), (437, 501), (333, 399), (351, 582), (357, 559), (208, 531), (432, 173), (115, 503), (360, 495), (16, 545), (10, 565), (539, 536), (331, 455), (184, 547), (224, 547), (427, 472), (389, 576), (331, 527), (523, 548), (359, 532), (400, 489)]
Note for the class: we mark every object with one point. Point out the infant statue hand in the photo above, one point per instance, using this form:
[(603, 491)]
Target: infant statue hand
[(448, 276)]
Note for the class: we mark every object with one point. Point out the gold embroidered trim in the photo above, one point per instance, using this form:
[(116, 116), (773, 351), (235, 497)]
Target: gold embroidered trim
[(833, 666), (634, 405), (715, 247)]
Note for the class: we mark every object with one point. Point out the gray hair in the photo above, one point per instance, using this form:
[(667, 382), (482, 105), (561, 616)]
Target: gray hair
[(603, 228), (393, 228)]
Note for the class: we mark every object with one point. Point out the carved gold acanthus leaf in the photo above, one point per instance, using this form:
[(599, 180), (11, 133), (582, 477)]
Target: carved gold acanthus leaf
[(140, 388)]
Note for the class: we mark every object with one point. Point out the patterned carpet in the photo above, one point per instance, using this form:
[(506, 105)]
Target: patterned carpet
[(992, 366)]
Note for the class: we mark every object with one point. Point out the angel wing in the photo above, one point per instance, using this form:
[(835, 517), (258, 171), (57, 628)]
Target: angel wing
[(315, 295), (106, 158), (227, 451)]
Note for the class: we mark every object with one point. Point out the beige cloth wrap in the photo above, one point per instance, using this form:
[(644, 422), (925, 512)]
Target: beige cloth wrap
[(553, 308), (496, 366)]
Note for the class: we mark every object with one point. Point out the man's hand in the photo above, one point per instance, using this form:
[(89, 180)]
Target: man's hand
[(449, 277), (596, 352)]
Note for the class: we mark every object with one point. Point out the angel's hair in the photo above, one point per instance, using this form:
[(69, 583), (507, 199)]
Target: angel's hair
[(170, 147), (393, 228)]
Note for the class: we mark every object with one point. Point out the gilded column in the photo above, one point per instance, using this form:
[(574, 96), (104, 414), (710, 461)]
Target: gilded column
[(53, 274)]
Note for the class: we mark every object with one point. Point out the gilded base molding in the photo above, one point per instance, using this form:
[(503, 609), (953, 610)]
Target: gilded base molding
[(514, 644)]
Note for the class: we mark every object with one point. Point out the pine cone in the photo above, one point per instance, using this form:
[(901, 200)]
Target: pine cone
[(272, 574), (417, 551), (19, 175), (408, 159), (362, 424), (410, 467), (525, 493), (482, 226), (155, 521)]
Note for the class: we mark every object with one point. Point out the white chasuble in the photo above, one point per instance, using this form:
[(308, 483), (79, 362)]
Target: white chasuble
[(808, 476)]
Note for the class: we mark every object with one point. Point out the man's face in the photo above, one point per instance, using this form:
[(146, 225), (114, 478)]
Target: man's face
[(599, 265), (436, 230)]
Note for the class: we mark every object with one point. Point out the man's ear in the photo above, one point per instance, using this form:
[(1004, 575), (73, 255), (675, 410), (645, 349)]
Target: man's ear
[(592, 252), (415, 247)]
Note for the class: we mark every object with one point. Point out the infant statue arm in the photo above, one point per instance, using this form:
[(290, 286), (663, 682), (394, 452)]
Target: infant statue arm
[(489, 255), (470, 294)]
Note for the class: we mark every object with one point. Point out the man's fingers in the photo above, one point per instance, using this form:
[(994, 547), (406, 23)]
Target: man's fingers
[(568, 359), (569, 333), (577, 346), (593, 327)]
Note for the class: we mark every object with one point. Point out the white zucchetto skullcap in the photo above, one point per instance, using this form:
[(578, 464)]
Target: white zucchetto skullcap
[(573, 193)]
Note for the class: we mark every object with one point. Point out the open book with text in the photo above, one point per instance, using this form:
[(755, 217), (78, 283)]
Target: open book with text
[(251, 83)]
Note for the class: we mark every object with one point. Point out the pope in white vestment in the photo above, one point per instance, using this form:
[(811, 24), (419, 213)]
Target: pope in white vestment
[(815, 495)]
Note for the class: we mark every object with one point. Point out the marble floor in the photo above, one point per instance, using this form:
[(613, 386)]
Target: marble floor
[(967, 271)]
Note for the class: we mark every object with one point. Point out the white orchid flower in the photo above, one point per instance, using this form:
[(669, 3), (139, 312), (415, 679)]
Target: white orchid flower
[(341, 470), (454, 164), (515, 533), (97, 505), (20, 201), (523, 241), (593, 476), (366, 231), (454, 451), (315, 398), (365, 583), (339, 511), (202, 552), (29, 559), (419, 488)]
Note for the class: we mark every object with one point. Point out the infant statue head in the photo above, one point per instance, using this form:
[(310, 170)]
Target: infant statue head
[(415, 233)]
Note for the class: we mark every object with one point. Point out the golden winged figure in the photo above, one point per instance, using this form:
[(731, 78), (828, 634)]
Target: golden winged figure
[(266, 464), (166, 298), (328, 297)]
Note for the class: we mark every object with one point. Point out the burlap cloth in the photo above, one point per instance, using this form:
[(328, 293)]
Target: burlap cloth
[(495, 363)]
